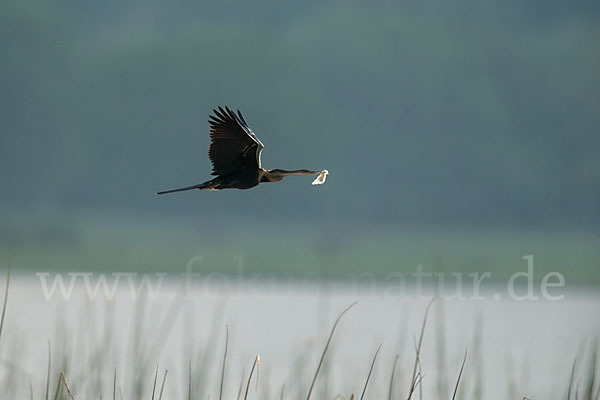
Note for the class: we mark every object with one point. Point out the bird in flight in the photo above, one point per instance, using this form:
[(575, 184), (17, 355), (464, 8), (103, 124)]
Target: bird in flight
[(235, 155)]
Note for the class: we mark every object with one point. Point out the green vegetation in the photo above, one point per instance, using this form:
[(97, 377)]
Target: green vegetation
[(297, 250)]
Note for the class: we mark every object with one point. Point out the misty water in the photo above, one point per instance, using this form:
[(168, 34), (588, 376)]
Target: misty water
[(522, 348)]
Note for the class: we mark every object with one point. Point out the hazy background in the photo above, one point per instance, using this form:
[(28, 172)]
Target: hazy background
[(459, 135)]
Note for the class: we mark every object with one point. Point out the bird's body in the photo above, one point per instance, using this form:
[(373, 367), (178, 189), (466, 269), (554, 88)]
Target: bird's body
[(235, 155)]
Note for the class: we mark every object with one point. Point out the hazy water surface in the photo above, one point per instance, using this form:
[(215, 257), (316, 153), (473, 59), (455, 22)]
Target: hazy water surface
[(523, 348)]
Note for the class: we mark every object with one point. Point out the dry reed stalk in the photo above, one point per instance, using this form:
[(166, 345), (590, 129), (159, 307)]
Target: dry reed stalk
[(162, 386), (224, 360), (370, 372), (462, 367), (254, 365), (325, 349), (413, 384), (391, 389)]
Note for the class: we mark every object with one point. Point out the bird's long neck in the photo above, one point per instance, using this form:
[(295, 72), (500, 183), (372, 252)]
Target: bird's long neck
[(281, 173)]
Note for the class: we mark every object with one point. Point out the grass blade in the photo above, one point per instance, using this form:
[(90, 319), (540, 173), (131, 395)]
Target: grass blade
[(391, 389), (571, 379), (224, 360), (155, 379), (48, 377), (64, 381), (370, 372), (417, 358), (462, 367), (312, 385), (162, 386), (5, 298), (190, 380), (256, 362)]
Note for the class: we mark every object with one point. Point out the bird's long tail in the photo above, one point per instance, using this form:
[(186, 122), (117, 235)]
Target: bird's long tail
[(205, 185)]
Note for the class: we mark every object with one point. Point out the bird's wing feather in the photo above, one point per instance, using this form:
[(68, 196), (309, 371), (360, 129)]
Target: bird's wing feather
[(233, 145)]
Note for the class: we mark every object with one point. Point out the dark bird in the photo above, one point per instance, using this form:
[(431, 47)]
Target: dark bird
[(235, 155)]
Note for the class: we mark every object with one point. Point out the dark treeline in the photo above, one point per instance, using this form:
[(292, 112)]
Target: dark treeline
[(454, 113)]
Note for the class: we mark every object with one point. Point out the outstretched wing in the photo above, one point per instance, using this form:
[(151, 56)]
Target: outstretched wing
[(233, 145)]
